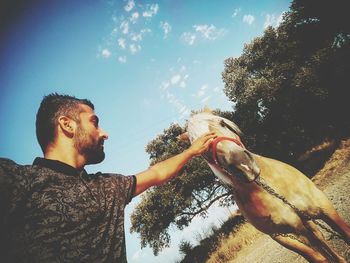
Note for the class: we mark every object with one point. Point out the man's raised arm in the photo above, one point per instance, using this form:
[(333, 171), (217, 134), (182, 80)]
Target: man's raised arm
[(165, 170)]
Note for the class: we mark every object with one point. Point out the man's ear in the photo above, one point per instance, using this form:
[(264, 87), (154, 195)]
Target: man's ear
[(67, 125), (183, 137)]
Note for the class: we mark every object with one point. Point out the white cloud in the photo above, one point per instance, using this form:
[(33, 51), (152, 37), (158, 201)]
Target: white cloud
[(136, 255), (172, 88), (179, 78), (207, 32), (175, 79), (121, 43), (136, 37), (129, 6), (188, 38), (106, 53), (146, 30), (114, 31), (166, 27), (122, 59), (249, 19), (134, 48), (124, 26), (236, 11), (273, 20), (201, 92), (182, 109), (183, 84), (152, 10), (130, 27), (165, 85), (216, 89), (134, 17)]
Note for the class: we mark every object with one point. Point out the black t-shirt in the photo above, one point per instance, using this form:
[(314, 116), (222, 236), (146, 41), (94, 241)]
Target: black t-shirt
[(52, 212)]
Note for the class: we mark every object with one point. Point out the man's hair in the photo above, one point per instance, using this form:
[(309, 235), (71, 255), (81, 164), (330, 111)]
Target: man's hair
[(51, 108)]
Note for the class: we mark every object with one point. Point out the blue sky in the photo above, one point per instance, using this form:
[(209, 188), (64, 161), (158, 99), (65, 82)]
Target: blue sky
[(144, 64)]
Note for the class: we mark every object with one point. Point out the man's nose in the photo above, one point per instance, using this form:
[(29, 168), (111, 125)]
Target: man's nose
[(104, 134)]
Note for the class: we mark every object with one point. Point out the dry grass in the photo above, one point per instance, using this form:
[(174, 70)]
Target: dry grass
[(229, 247), (327, 144), (339, 161), (313, 160)]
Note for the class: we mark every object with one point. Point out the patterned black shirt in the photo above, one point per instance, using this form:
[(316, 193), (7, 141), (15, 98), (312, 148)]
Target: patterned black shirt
[(52, 212)]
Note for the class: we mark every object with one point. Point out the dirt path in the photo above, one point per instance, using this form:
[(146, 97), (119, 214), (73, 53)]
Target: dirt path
[(337, 187)]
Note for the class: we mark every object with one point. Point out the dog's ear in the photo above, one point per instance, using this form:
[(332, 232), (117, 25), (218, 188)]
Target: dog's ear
[(207, 109), (183, 137), (232, 127)]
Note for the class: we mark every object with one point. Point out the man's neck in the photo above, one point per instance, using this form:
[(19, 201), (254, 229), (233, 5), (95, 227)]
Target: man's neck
[(65, 155)]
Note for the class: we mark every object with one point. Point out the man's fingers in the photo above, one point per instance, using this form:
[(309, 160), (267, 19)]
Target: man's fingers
[(208, 143), (202, 143), (209, 134), (209, 139)]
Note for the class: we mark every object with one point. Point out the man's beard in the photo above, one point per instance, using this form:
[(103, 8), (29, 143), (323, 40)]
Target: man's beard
[(89, 147)]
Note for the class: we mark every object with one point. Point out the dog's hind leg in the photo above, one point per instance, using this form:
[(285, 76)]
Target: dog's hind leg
[(317, 239), (301, 248), (333, 219)]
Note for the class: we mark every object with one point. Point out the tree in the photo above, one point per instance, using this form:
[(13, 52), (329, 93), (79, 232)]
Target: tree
[(289, 85), (177, 202), (185, 247)]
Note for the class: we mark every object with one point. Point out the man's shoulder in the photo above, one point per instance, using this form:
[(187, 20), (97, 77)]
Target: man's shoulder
[(103, 175), (122, 185), (13, 180), (99, 176), (18, 174), (6, 162), (8, 165)]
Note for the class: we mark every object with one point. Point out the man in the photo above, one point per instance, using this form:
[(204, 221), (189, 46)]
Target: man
[(53, 211)]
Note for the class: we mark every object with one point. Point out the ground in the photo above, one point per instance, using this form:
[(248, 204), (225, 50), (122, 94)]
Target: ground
[(334, 180)]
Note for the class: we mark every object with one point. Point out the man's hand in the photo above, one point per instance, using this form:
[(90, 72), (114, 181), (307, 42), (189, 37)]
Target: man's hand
[(201, 144)]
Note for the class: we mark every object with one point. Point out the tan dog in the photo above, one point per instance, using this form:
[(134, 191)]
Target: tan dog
[(273, 196)]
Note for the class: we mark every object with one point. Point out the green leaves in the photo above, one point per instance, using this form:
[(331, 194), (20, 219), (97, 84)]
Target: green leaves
[(288, 85)]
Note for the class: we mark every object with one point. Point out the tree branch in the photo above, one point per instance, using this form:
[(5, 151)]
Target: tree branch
[(203, 208)]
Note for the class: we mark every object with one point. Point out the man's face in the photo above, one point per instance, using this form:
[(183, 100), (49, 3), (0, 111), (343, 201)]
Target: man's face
[(89, 137)]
